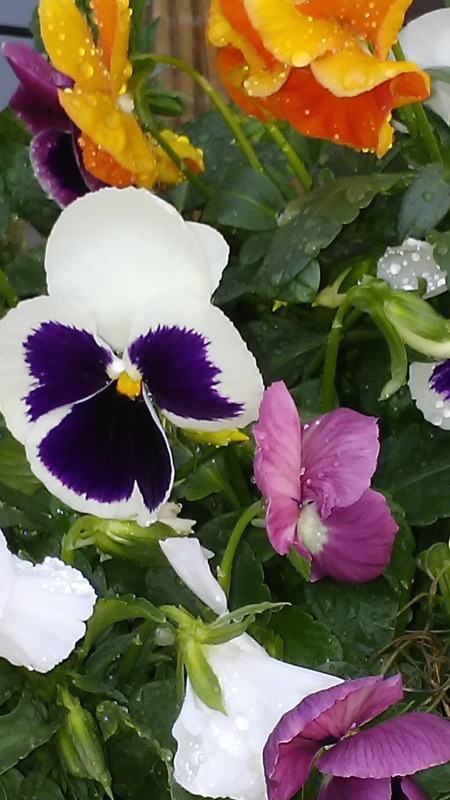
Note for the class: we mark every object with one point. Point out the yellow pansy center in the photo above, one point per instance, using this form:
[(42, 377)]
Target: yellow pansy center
[(129, 386)]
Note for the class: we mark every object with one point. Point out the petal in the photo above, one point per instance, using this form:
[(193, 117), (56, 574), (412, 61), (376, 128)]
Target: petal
[(402, 266), (101, 166), (35, 73), (399, 746), (361, 121), (55, 166), (410, 789), (322, 719), (50, 356), (98, 116), (106, 456), (45, 614), (113, 20), (355, 789), (291, 35), (359, 541), (425, 39), (187, 558), (340, 452), (277, 464), (195, 364), (7, 574), (378, 22), (220, 755), (36, 116), (116, 227), (215, 248), (429, 385), (70, 46)]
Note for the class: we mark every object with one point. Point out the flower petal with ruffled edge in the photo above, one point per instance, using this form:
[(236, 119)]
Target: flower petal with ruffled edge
[(340, 452), (425, 41), (220, 755), (278, 464), (399, 746), (429, 385), (195, 364), (322, 719), (45, 611), (358, 541), (55, 166), (111, 232)]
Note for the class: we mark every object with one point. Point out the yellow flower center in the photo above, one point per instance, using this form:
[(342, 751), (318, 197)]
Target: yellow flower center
[(128, 386)]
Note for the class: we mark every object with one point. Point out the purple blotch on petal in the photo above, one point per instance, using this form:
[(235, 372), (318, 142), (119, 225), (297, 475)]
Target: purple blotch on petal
[(107, 444), (180, 376), (54, 163), (440, 379), (399, 746), (67, 365)]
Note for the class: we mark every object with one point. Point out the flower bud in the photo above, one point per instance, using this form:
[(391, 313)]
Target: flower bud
[(418, 324)]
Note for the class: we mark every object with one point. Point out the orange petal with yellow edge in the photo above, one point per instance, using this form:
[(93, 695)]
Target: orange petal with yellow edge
[(70, 46), (113, 21), (291, 36), (105, 15), (110, 128), (379, 21), (237, 16), (361, 121), (102, 165), (352, 72)]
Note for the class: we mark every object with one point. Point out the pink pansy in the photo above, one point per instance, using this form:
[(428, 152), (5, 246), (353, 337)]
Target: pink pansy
[(316, 480), (373, 764)]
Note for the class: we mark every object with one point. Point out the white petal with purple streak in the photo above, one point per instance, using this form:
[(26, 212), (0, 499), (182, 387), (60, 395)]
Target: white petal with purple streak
[(434, 405)]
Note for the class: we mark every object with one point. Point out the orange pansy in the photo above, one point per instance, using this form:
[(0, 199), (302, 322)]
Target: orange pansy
[(328, 84), (113, 145)]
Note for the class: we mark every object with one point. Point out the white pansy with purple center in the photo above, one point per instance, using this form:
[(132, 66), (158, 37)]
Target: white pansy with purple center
[(373, 764), (127, 333), (402, 267), (316, 481), (430, 389), (220, 755), (43, 609)]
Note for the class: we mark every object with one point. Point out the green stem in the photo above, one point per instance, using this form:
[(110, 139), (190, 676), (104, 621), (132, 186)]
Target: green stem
[(331, 355), (419, 122), (7, 292), (148, 123), (226, 565), (297, 165), (219, 103)]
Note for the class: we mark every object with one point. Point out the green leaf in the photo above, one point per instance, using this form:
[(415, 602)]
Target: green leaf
[(27, 727), (361, 616), (435, 781), (320, 216), (306, 641), (204, 681), (14, 467), (155, 706), (441, 248), (280, 346), (248, 583), (245, 199), (415, 467), (425, 202), (26, 273), (34, 787), (116, 609), (10, 783), (5, 211)]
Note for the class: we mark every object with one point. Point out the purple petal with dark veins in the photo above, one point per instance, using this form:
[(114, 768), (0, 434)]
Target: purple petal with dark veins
[(67, 364), (355, 789), (321, 719), (359, 540), (105, 446), (36, 74), (175, 365), (55, 166), (440, 379), (399, 746)]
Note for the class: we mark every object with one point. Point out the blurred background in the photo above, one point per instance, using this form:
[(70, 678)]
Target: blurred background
[(181, 33)]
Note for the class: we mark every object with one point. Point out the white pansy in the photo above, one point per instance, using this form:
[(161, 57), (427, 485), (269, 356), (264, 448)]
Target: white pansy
[(43, 609), (220, 755), (402, 267), (426, 41), (434, 405), (169, 515)]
